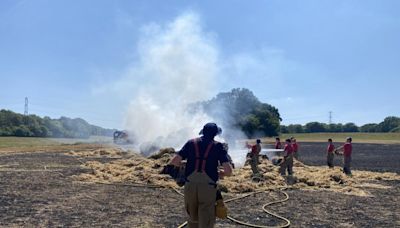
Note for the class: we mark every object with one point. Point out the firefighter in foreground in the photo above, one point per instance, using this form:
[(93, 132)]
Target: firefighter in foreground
[(287, 161), (346, 151), (203, 155), (254, 155)]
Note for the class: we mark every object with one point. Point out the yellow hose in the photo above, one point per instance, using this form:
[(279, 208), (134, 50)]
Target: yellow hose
[(264, 207), (281, 190)]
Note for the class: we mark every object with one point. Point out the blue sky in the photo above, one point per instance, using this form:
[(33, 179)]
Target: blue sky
[(304, 57)]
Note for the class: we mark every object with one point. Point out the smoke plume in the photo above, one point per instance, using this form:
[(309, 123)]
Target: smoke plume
[(177, 65)]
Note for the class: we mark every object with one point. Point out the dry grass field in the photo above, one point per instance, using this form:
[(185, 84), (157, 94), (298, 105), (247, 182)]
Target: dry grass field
[(50, 184)]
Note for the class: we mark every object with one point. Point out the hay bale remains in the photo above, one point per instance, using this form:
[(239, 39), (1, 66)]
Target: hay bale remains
[(139, 169)]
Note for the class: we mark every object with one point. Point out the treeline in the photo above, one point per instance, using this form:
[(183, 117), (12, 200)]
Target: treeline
[(239, 108), (15, 124), (389, 124)]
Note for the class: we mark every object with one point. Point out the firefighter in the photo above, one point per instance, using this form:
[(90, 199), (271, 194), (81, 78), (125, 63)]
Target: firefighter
[(278, 144), (254, 154), (287, 161), (346, 151), (330, 153), (203, 155), (295, 147)]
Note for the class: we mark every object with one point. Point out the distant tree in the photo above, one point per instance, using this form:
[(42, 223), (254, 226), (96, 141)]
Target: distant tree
[(284, 129), (250, 125), (295, 128), (269, 120), (240, 108), (371, 127), (397, 129), (14, 124), (335, 128), (388, 124), (22, 131), (314, 127), (350, 127)]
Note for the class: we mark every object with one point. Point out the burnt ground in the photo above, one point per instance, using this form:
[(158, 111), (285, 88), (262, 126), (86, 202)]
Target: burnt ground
[(370, 157), (37, 190)]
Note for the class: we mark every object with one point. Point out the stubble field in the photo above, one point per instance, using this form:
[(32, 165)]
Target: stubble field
[(40, 187)]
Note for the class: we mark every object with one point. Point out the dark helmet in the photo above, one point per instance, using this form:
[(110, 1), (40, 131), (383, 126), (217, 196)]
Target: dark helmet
[(210, 129), (349, 139), (258, 141)]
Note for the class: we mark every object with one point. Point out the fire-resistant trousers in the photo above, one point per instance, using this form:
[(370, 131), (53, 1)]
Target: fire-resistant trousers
[(329, 160), (200, 196), (287, 164), (254, 164), (347, 165)]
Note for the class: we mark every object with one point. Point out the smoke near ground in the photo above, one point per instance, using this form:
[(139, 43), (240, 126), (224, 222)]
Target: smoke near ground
[(177, 65)]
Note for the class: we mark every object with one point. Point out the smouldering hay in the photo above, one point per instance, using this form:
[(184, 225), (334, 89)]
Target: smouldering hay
[(138, 169), (98, 152)]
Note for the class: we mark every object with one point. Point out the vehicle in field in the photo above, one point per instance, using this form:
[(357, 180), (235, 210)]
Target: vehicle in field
[(122, 137)]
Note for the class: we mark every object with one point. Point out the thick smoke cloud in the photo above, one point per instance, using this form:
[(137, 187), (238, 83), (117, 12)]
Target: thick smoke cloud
[(177, 65)]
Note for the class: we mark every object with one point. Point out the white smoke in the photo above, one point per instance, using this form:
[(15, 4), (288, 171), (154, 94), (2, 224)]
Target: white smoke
[(177, 67)]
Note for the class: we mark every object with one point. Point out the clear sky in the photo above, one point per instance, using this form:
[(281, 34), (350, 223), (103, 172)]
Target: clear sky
[(304, 57)]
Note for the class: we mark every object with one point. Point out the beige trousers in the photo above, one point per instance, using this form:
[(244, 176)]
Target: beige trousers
[(200, 197), (329, 159), (287, 164), (254, 163)]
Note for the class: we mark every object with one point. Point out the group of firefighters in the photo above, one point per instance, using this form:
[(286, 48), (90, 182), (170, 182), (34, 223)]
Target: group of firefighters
[(207, 161), (291, 152)]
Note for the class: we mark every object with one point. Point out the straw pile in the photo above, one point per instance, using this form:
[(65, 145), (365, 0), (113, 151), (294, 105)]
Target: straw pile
[(135, 169), (99, 152), (138, 169)]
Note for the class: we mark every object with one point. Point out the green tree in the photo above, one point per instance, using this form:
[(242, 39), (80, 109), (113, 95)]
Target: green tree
[(335, 127), (397, 129), (314, 127), (22, 131), (284, 129), (295, 128), (371, 127), (240, 108), (388, 124), (350, 127), (14, 124)]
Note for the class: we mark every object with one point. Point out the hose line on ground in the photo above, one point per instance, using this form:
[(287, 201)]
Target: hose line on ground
[(264, 207)]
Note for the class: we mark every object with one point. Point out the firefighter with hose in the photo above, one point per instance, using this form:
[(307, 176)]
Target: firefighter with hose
[(287, 162), (346, 151), (254, 156), (295, 147), (203, 155)]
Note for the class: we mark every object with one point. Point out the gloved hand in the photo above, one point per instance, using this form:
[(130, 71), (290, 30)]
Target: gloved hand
[(171, 170), (221, 211)]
